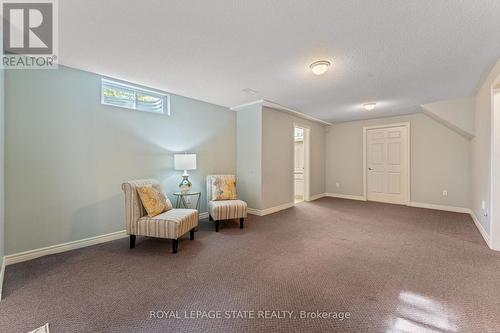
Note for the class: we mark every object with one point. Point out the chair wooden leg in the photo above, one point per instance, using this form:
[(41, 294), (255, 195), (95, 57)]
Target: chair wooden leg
[(175, 245), (132, 241), (216, 226), (242, 220), (210, 217), (191, 234)]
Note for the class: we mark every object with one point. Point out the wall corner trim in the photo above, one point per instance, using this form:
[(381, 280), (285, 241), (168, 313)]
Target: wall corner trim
[(242, 106), (440, 207), (346, 196), (446, 123), (267, 211), (317, 196), (271, 210), (273, 105)]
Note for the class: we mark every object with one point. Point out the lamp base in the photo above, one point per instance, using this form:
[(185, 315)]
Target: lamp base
[(185, 185)]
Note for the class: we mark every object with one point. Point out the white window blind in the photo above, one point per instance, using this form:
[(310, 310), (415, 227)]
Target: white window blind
[(128, 96)]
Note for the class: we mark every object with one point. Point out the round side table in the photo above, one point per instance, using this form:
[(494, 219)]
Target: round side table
[(181, 201)]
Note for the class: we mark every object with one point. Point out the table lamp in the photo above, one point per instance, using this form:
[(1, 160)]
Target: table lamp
[(185, 162)]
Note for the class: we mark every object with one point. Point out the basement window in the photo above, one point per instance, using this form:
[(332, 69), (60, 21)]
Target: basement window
[(133, 97)]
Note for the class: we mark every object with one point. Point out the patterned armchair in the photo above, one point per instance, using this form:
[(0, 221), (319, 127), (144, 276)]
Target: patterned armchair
[(219, 210), (171, 224)]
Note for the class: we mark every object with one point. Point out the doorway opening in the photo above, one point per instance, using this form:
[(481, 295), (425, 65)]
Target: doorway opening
[(386, 159), (301, 163)]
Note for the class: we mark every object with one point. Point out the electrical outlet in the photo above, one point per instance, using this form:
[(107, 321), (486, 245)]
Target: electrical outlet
[(337, 184), (445, 193), (483, 207)]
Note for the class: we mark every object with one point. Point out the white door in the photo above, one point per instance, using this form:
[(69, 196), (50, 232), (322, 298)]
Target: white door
[(387, 164), (298, 172)]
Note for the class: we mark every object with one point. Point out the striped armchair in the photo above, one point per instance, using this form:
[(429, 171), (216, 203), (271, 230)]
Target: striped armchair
[(171, 224), (224, 209)]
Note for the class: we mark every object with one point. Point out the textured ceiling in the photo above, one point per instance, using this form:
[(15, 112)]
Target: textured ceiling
[(399, 54)]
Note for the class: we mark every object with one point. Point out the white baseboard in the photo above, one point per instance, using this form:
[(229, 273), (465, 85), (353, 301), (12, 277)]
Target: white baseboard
[(2, 272), (480, 228), (457, 210), (44, 251), (253, 211), (32, 254), (440, 207), (317, 196), (428, 206), (267, 211), (346, 196)]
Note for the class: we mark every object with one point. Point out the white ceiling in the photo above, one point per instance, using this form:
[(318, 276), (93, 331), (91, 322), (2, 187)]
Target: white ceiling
[(399, 54)]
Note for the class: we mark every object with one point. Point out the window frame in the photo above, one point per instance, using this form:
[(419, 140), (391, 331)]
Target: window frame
[(137, 89)]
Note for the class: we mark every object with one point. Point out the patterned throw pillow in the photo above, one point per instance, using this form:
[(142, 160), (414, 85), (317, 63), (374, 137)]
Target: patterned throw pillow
[(154, 201), (224, 188)]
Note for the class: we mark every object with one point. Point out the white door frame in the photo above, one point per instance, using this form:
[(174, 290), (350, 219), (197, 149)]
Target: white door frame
[(307, 162), (494, 236), (365, 130)]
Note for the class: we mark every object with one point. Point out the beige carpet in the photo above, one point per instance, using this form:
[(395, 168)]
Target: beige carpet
[(392, 268)]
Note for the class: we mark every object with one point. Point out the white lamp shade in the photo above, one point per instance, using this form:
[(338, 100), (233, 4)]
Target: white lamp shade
[(185, 161)]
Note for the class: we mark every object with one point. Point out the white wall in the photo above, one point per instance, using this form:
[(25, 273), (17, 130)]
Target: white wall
[(481, 150), (457, 114), (278, 153), (265, 156), (249, 155), (440, 160), (67, 155)]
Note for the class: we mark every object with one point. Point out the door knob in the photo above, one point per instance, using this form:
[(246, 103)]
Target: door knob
[(370, 169)]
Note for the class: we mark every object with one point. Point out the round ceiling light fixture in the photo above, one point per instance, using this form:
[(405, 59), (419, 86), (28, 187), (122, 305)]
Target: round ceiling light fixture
[(369, 106), (320, 67)]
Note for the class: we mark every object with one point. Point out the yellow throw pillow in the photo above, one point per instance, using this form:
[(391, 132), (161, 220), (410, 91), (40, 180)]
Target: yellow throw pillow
[(224, 188), (154, 201)]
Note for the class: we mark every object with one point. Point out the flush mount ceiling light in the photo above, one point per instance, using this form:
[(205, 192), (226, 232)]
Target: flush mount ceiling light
[(369, 106), (320, 67)]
